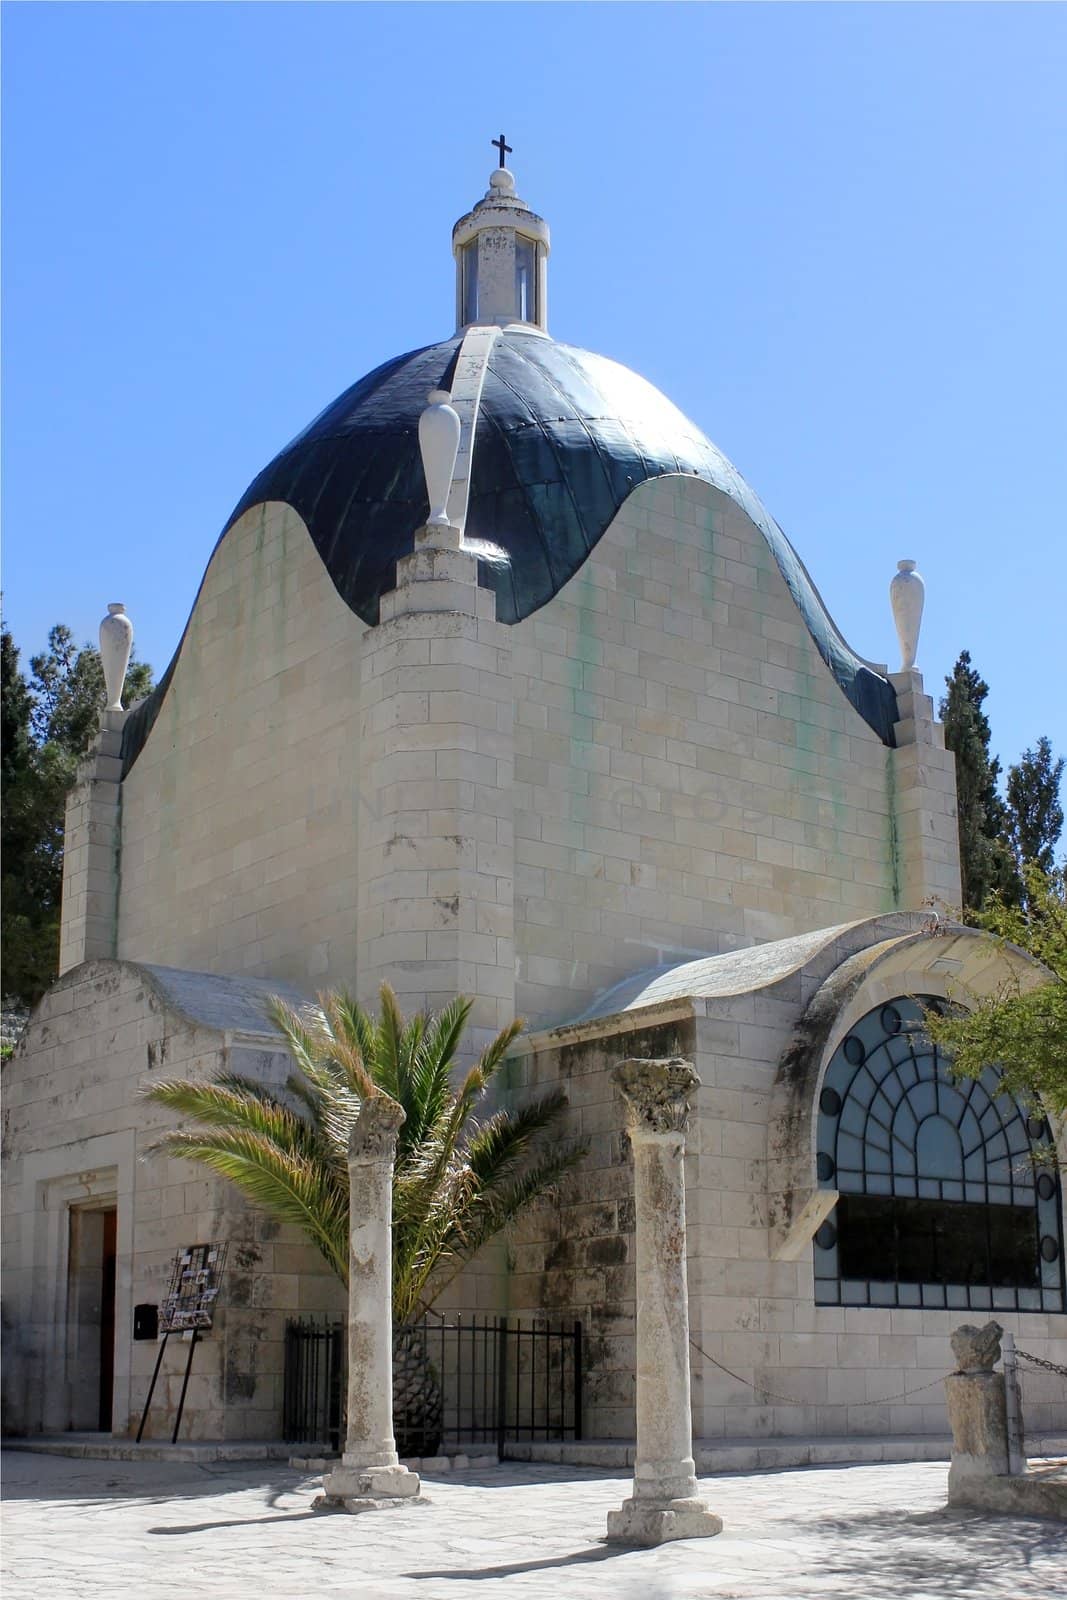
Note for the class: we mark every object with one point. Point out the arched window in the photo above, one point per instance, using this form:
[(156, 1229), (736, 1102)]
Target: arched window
[(941, 1204)]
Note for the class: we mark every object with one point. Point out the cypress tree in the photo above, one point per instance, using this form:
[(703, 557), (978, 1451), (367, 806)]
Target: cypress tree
[(48, 724), (1035, 815), (986, 862)]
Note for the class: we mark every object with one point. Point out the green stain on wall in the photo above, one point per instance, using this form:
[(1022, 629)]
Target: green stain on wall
[(894, 834)]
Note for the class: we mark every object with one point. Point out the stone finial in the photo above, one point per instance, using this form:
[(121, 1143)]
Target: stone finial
[(439, 432), (116, 647), (373, 1135), (657, 1093), (501, 184), (977, 1349), (907, 592)]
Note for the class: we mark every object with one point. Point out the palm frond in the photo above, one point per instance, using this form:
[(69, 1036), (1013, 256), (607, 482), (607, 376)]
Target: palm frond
[(235, 1103), (291, 1188), (499, 1144), (457, 1180), (493, 1056)]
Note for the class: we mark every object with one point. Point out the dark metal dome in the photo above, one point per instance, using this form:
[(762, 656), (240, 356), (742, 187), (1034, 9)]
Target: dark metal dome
[(563, 438)]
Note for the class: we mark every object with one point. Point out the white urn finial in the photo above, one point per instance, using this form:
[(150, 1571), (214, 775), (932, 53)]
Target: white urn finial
[(116, 646), (439, 431), (907, 592)]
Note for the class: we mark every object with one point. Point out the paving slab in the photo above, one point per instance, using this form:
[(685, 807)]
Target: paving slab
[(84, 1529)]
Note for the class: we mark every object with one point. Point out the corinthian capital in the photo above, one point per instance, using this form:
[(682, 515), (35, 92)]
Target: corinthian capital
[(656, 1093), (373, 1136)]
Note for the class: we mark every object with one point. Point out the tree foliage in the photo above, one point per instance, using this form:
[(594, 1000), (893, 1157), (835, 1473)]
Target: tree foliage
[(1023, 1031), (48, 723), (460, 1177), (1034, 812), (986, 861)]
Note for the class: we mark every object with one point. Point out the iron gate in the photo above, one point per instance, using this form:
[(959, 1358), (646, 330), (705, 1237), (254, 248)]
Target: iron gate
[(500, 1378)]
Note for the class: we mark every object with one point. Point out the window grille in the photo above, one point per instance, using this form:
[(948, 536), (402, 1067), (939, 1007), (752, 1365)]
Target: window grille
[(941, 1202)]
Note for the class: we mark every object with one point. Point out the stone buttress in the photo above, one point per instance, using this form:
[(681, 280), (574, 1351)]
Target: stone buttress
[(436, 913)]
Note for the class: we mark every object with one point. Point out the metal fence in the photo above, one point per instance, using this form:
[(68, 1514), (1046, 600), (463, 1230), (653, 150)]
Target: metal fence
[(492, 1379), (314, 1382)]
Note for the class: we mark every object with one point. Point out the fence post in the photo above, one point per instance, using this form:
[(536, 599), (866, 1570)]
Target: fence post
[(1013, 1406), (501, 1382), (578, 1397)]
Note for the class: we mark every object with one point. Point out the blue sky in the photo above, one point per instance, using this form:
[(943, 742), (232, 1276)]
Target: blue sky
[(833, 235)]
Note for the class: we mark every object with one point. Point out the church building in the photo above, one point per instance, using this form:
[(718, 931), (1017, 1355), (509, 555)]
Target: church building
[(502, 682)]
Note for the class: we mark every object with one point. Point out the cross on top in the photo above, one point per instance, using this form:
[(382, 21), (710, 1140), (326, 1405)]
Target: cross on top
[(505, 149)]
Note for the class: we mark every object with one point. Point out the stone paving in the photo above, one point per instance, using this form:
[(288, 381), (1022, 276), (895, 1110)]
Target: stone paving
[(161, 1530)]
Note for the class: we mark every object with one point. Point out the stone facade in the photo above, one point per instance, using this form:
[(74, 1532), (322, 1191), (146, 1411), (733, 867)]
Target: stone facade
[(655, 765), (76, 1132), (794, 1367), (240, 836), (644, 813)]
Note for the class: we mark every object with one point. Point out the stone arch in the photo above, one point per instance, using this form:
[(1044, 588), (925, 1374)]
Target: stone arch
[(942, 960), (937, 1201)]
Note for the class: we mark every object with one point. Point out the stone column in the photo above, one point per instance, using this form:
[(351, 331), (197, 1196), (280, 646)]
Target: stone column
[(976, 1412), (370, 1474), (664, 1503)]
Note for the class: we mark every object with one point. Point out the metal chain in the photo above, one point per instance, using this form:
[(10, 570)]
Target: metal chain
[(1039, 1361), (790, 1400)]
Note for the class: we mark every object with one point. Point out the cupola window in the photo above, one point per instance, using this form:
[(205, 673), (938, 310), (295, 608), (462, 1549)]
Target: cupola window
[(525, 278), (469, 286)]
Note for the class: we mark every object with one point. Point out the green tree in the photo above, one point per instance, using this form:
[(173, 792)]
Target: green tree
[(986, 862), (16, 711), (69, 694), (459, 1179), (1023, 1031), (1034, 812), (461, 1176), (48, 725)]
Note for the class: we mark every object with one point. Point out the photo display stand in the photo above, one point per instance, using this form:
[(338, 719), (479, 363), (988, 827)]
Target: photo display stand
[(188, 1307)]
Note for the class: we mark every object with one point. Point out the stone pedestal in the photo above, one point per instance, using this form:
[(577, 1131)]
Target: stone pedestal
[(923, 795), (664, 1503), (978, 1417), (93, 835), (370, 1475), (977, 1411)]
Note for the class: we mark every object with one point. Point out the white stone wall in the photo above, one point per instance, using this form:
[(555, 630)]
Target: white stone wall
[(689, 777), (844, 1368), (76, 1130), (822, 1370), (240, 816)]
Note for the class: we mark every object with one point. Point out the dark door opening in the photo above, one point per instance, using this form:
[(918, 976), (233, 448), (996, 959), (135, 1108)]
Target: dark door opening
[(91, 1313), (107, 1321)]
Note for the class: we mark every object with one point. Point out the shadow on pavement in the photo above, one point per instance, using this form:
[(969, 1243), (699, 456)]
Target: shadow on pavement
[(513, 1569), (237, 1522), (29, 1476), (944, 1552)]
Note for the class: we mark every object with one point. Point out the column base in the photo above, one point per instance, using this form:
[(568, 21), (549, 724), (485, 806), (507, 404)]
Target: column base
[(368, 1489), (638, 1522)]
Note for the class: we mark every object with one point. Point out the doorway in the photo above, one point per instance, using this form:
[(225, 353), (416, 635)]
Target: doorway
[(91, 1300)]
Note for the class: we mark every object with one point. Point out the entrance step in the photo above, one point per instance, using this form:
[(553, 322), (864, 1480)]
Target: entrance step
[(103, 1447), (762, 1454)]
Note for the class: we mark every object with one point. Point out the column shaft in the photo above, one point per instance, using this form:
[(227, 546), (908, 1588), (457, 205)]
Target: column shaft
[(664, 1464), (369, 1474), (369, 1441), (664, 1503)]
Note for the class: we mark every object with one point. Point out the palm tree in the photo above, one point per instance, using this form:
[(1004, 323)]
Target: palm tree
[(459, 1180)]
